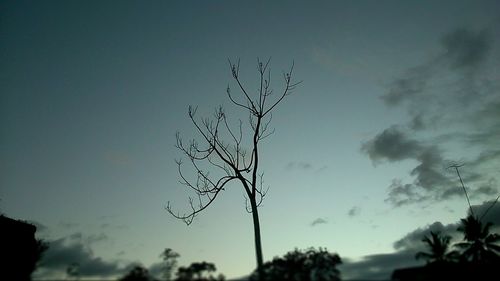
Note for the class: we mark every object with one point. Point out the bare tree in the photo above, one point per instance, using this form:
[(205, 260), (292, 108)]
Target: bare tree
[(223, 149)]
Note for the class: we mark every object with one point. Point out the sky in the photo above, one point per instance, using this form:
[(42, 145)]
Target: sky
[(92, 94)]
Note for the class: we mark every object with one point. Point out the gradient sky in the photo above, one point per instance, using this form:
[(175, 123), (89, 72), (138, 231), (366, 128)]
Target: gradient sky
[(93, 92)]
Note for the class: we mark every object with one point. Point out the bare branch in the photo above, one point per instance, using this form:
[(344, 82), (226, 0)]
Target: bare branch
[(289, 86), (235, 69), (188, 217), (228, 91)]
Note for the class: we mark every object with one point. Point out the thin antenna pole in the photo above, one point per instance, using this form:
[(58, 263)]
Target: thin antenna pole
[(489, 208), (463, 186)]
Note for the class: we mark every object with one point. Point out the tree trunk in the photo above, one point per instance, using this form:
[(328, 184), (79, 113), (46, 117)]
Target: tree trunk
[(258, 243)]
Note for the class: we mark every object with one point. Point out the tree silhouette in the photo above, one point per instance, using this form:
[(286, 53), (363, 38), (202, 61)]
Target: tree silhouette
[(305, 265), (224, 153), (138, 273), (438, 246), (479, 245), (170, 259), (198, 271)]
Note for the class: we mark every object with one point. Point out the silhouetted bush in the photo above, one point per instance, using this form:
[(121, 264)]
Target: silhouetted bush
[(304, 265)]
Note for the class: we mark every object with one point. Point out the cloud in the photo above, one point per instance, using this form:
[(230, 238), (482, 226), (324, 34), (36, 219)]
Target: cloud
[(430, 180), (94, 238), (68, 225), (410, 85), (453, 106), (402, 194), (68, 250), (318, 221), (465, 48), (489, 212), (381, 266), (393, 145), (462, 50), (299, 165), (354, 211), (413, 240)]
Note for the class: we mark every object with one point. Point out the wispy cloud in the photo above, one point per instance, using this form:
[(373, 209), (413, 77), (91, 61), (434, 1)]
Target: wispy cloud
[(354, 211), (301, 165), (68, 225), (318, 221)]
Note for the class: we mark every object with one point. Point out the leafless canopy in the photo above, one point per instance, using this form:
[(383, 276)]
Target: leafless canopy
[(222, 148)]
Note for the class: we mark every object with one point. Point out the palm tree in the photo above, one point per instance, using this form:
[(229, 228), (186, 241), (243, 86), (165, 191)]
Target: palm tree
[(438, 249), (479, 245)]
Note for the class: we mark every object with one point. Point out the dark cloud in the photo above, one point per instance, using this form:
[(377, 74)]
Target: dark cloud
[(393, 145), (378, 267), (402, 194), (489, 211), (413, 240), (417, 123), (354, 211), (451, 100), (465, 48), (429, 172), (487, 189), (430, 178), (452, 192), (65, 251), (462, 49), (318, 221)]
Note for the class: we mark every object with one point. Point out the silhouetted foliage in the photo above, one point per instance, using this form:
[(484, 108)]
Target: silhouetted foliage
[(223, 149), (170, 262), (478, 260), (439, 249), (138, 273), (479, 245), (198, 271), (305, 265)]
